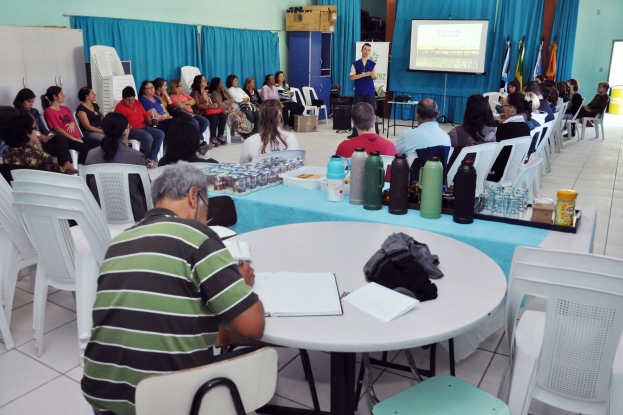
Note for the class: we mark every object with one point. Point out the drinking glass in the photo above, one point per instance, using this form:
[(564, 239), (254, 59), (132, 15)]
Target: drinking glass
[(499, 204), (513, 206)]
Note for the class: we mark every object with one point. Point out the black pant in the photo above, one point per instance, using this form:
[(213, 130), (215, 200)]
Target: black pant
[(369, 98), (216, 120), (289, 110), (59, 147), (254, 117)]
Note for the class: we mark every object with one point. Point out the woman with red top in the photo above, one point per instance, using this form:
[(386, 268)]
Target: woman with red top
[(204, 106), (150, 138), (183, 102), (60, 119)]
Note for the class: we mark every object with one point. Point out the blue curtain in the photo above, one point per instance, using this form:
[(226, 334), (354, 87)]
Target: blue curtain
[(515, 18), (565, 23), (155, 49), (347, 32), (244, 53)]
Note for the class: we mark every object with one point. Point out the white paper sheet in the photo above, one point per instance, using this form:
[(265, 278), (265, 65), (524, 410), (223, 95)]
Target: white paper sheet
[(381, 302)]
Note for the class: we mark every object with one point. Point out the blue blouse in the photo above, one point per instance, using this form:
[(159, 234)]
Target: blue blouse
[(148, 105)]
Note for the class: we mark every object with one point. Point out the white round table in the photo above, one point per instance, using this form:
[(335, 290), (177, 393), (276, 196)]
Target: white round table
[(472, 287)]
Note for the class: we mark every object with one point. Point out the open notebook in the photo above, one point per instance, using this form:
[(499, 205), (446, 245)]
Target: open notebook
[(298, 294), (239, 250)]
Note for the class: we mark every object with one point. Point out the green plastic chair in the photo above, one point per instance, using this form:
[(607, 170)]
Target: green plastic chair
[(442, 395)]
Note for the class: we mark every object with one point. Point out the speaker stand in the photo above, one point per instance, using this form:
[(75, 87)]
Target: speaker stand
[(443, 119)]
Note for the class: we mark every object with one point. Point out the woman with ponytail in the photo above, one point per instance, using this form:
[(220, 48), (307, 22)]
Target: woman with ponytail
[(114, 149), (60, 119)]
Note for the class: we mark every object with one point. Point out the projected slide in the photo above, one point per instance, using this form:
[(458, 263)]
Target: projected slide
[(448, 46)]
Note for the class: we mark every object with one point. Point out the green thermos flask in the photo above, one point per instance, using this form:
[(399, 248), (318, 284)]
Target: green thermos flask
[(431, 182), (375, 179)]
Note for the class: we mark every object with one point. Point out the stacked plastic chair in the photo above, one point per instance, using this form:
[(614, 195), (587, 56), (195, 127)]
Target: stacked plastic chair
[(107, 77)]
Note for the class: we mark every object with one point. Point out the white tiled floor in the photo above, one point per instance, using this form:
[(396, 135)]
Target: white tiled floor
[(50, 384)]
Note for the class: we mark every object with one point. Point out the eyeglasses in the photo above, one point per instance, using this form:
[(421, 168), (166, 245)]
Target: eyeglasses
[(149, 87)]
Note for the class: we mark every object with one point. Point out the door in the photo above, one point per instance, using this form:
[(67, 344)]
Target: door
[(322, 86), (12, 74), (615, 77), (39, 60), (71, 70), (299, 46)]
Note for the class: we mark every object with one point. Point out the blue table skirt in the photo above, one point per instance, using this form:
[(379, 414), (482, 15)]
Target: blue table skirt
[(282, 205)]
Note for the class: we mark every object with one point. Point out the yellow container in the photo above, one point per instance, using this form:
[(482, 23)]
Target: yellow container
[(565, 207), (616, 100)]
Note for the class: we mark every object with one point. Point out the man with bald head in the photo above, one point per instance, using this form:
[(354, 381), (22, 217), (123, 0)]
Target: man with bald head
[(427, 133)]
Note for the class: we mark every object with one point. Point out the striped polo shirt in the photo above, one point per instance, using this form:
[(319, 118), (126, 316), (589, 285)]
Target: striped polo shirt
[(164, 287)]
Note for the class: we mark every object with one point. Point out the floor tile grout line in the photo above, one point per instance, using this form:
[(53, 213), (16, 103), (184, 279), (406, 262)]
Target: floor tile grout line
[(32, 390), (289, 361), (293, 401)]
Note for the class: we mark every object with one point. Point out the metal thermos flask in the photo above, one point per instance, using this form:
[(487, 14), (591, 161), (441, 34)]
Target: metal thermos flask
[(375, 179), (464, 192), (431, 183), (399, 185), (358, 176)]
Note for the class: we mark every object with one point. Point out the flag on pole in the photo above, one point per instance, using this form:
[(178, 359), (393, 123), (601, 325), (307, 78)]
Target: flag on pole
[(537, 67), (520, 69), (507, 55), (551, 67)]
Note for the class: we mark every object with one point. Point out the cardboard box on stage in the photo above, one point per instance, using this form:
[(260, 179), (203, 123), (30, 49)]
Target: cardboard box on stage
[(332, 10), (310, 21), (305, 123)]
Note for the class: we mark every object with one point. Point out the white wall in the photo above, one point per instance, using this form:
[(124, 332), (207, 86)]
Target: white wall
[(243, 14)]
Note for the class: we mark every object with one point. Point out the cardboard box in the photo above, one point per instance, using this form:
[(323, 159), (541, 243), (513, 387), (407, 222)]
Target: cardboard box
[(305, 123), (332, 15), (303, 22)]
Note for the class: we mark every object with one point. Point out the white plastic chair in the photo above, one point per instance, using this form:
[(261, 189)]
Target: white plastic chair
[(526, 179), (312, 109), (232, 387), (69, 259), (188, 74), (598, 120), (135, 144), (562, 108), (108, 77), (540, 150), (514, 165), (482, 163), (494, 99), (308, 92), (16, 253), (564, 357), (283, 153), (574, 121), (112, 181)]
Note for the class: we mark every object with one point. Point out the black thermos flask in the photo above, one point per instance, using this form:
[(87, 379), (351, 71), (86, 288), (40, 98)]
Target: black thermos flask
[(464, 192)]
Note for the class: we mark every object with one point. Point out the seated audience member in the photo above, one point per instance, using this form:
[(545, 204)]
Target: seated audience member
[(575, 102), (60, 119), (478, 127), (271, 137), (153, 105), (598, 104), (54, 144), (89, 115), (551, 95), (20, 136), (517, 111), (182, 144), (427, 134), (114, 148), (269, 90), (290, 108), (150, 138), (563, 91), (538, 117), (535, 88), (513, 86), (181, 106), (242, 102), (364, 117), (235, 118), (539, 79), (254, 94), (135, 299), (205, 107)]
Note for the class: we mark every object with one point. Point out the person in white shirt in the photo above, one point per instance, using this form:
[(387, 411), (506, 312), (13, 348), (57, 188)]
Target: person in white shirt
[(427, 133), (242, 102), (270, 137)]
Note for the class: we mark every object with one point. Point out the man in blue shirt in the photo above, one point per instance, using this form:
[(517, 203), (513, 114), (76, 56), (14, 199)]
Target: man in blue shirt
[(427, 134), (363, 73)]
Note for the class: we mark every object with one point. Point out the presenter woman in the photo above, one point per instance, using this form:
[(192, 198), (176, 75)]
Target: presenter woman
[(363, 73)]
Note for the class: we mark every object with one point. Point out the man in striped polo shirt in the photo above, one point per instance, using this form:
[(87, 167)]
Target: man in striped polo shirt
[(164, 287)]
